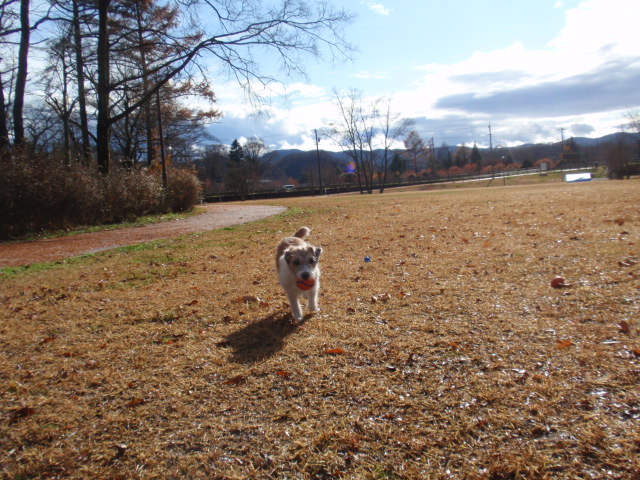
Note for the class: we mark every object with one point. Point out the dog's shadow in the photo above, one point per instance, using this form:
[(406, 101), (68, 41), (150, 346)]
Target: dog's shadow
[(262, 339)]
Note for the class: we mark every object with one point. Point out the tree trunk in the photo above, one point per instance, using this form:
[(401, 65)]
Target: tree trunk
[(66, 111), (21, 76), (163, 157), (148, 117), (82, 100), (4, 130), (104, 120)]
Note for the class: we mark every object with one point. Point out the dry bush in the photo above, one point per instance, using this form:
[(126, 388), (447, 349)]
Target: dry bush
[(184, 191), (38, 194), (448, 355), (130, 194)]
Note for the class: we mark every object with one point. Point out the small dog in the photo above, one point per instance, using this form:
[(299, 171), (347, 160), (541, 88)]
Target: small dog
[(299, 271)]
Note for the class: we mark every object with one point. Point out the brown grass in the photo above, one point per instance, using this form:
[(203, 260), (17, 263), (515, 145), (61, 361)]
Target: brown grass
[(449, 355)]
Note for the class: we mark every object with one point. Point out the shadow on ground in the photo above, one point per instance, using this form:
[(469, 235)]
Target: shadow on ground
[(262, 339)]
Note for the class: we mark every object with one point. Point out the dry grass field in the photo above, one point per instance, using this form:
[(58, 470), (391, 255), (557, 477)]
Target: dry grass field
[(448, 355)]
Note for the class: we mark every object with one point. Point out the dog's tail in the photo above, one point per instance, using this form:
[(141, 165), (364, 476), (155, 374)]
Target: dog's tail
[(303, 233)]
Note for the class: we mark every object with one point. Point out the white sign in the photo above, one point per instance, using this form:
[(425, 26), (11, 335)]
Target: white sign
[(577, 177)]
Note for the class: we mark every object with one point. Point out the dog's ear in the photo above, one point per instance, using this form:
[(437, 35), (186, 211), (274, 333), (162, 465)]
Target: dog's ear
[(318, 252)]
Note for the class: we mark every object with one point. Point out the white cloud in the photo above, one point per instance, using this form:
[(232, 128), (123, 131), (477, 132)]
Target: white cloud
[(377, 7), (597, 34), (517, 88), (599, 28)]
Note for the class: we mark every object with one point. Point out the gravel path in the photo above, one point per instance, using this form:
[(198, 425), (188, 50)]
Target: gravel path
[(216, 216)]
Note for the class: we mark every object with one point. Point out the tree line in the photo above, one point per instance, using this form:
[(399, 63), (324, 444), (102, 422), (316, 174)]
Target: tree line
[(100, 93), (118, 70)]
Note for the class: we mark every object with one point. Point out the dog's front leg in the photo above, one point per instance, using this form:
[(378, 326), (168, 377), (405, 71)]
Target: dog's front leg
[(313, 297), (296, 308)]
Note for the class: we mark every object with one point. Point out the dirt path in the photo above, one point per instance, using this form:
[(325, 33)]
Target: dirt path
[(216, 216)]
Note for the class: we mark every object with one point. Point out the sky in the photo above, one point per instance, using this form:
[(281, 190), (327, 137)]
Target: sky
[(532, 69)]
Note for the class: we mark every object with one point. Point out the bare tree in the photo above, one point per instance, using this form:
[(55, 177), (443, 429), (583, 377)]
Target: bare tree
[(416, 149), (354, 134), (8, 19), (618, 155), (56, 84), (392, 128), (21, 76), (634, 121), (242, 28), (254, 149), (80, 80)]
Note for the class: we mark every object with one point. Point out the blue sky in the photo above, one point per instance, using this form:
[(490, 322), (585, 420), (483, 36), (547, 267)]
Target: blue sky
[(528, 67)]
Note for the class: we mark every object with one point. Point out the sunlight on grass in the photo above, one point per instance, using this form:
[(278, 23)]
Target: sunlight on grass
[(448, 355)]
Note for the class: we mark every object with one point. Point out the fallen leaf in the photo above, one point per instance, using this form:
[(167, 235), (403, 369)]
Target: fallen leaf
[(564, 344), (136, 401), (351, 310), (21, 413), (334, 351), (193, 302), (284, 373), (627, 263), (237, 380), (558, 282), (624, 327)]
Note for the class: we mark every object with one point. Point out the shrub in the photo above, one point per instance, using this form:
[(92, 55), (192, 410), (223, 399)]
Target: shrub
[(39, 194), (184, 190), (130, 194)]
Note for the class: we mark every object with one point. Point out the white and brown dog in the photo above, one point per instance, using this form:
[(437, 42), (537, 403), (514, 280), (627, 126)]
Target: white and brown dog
[(299, 271)]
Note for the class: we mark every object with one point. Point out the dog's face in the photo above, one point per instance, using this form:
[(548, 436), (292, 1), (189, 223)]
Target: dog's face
[(303, 261)]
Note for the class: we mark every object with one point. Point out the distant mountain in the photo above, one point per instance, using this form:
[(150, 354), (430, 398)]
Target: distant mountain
[(590, 142), (303, 165)]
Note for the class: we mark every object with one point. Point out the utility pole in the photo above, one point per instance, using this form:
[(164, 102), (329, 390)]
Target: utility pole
[(493, 173), (315, 130), (490, 144), (432, 155), (562, 151)]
